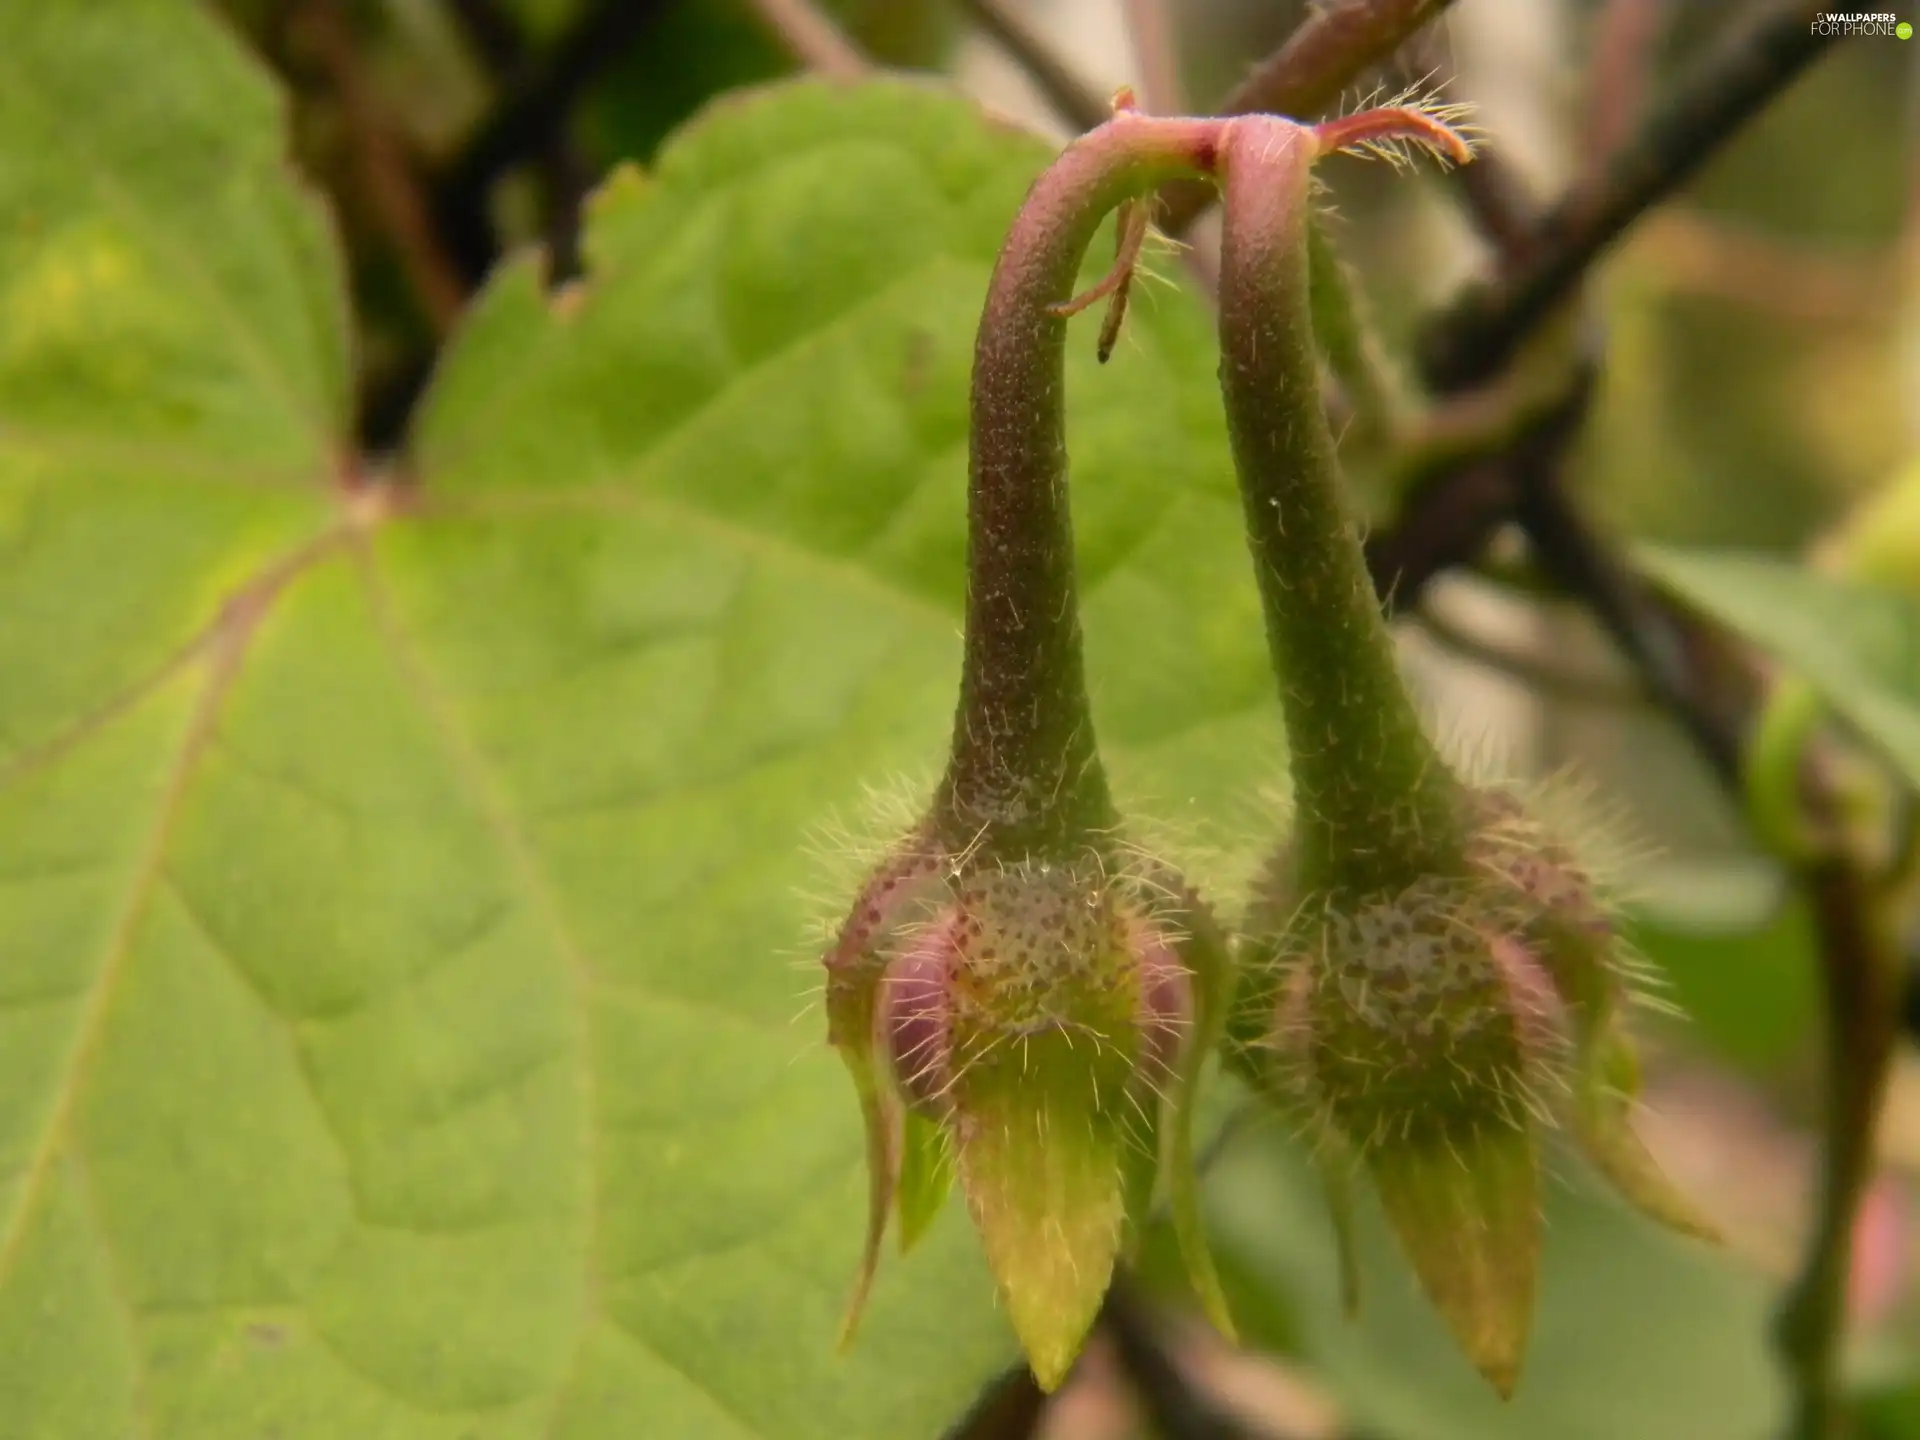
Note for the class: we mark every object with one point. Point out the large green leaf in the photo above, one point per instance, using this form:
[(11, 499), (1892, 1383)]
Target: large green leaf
[(398, 885), (1858, 643)]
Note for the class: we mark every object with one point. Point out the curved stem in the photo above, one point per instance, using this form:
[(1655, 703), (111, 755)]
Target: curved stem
[(1376, 802), (1024, 774), (1863, 979)]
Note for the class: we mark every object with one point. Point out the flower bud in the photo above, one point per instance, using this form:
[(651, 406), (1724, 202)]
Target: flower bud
[(1434, 980), (1030, 1017), (1433, 1034)]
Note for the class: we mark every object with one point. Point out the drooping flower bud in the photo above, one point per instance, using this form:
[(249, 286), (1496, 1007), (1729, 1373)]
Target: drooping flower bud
[(1033, 1014), (1431, 980), (1022, 1000), (1436, 1036)]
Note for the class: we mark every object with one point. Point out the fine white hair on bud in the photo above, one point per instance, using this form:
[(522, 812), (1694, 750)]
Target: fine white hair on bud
[(1435, 1034), (1043, 1014)]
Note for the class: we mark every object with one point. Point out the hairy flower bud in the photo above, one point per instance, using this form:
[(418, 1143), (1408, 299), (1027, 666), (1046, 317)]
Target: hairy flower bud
[(1431, 979), (1016, 991), (1035, 1013), (1011, 976), (1434, 1034)]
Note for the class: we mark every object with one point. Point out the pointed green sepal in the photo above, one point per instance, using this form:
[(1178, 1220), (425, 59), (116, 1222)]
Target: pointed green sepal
[(1466, 1207), (1212, 966), (1603, 1124), (1146, 1137), (1041, 1158), (879, 1114), (926, 1176), (1336, 1185)]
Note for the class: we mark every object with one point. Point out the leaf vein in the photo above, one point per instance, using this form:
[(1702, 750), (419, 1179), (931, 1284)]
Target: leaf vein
[(473, 766), (223, 668)]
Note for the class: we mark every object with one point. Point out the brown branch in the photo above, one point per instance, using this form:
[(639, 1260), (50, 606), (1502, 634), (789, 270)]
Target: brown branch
[(1626, 35), (492, 32), (1670, 654), (1328, 53), (529, 121), (388, 176), (1449, 517), (812, 38), (1079, 104), (1547, 676), (1727, 87), (1499, 202), (1156, 56), (1452, 515), (1012, 1407), (1176, 1407)]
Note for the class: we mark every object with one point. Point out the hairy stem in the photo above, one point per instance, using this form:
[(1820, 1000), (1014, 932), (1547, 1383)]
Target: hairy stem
[(1358, 751), (1024, 771)]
